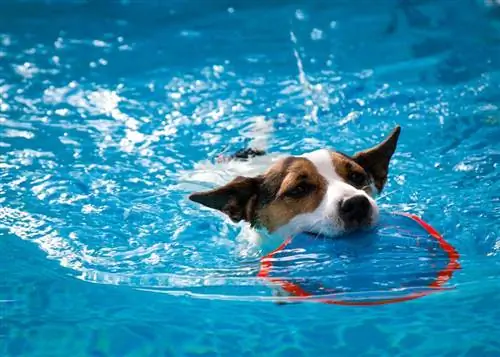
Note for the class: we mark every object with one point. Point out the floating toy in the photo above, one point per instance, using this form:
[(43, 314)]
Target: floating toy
[(401, 259)]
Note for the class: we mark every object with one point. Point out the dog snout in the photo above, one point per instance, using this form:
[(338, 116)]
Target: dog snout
[(355, 211)]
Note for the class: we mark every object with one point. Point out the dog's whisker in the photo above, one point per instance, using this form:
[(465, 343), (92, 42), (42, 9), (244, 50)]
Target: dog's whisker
[(317, 223), (387, 194), (307, 189)]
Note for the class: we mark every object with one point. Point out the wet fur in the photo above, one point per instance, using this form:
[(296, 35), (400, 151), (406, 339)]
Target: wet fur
[(263, 201), (299, 193)]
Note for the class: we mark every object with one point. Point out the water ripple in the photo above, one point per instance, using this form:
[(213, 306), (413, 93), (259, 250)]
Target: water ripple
[(102, 135)]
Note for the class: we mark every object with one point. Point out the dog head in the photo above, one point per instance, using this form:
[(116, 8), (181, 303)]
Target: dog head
[(319, 192)]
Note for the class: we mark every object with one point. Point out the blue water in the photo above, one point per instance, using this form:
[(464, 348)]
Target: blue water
[(105, 106), (393, 260)]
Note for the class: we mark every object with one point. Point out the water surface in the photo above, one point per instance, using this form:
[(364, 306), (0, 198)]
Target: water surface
[(105, 106)]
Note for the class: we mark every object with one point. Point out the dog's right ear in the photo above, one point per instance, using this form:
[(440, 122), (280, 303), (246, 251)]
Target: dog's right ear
[(237, 199)]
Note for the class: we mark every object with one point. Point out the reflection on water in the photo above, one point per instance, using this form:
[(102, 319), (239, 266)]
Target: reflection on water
[(102, 126)]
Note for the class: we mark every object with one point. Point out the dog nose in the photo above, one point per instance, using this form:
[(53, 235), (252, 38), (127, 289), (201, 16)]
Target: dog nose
[(355, 209)]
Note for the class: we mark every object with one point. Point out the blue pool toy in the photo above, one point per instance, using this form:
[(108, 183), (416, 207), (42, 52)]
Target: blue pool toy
[(403, 258)]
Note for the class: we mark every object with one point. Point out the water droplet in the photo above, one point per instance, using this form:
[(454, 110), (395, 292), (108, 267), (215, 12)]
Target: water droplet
[(62, 112), (218, 69), (59, 43), (99, 43), (463, 167), (299, 14), (6, 41), (175, 95), (316, 34)]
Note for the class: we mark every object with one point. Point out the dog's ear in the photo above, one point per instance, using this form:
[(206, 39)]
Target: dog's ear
[(376, 160), (237, 199)]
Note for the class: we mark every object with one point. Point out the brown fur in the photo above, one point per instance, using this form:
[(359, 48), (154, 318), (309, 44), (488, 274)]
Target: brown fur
[(268, 200), (346, 167), (237, 199), (376, 160), (286, 176), (264, 200)]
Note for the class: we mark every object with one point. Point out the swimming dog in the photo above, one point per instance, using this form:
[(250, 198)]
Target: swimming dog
[(320, 192)]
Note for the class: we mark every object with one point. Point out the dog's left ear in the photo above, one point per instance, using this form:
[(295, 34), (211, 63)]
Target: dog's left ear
[(376, 160), (237, 199)]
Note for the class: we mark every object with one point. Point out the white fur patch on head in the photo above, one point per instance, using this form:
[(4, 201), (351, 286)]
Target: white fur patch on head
[(325, 219), (322, 159)]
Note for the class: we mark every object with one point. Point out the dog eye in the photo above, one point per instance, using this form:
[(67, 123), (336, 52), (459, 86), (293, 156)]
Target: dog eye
[(299, 191), (357, 178)]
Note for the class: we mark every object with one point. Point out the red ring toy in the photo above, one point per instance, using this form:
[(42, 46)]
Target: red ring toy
[(299, 293)]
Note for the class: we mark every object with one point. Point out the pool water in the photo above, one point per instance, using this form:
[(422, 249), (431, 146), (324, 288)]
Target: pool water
[(107, 108)]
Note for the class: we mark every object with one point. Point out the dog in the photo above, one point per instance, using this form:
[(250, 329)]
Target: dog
[(321, 192)]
